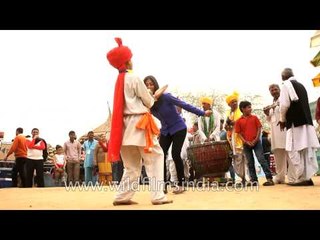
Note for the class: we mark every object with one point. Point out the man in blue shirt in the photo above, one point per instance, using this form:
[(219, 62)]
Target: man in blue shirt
[(89, 146)]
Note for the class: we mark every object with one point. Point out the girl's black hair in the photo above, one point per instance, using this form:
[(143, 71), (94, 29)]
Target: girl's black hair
[(154, 80), (156, 87)]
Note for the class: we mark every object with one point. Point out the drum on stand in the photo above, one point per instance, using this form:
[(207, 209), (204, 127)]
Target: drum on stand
[(210, 160), (6, 173)]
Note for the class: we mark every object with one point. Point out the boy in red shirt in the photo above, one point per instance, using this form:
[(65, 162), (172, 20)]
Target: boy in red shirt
[(249, 129)]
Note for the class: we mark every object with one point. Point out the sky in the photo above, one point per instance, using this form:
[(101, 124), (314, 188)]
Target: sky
[(60, 80)]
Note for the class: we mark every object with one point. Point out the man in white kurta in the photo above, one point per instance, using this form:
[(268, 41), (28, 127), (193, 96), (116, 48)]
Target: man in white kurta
[(137, 101), (301, 138), (197, 137), (278, 137), (210, 126)]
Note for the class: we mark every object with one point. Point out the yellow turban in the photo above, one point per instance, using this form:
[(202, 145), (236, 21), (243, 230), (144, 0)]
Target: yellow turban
[(233, 96), (206, 100)]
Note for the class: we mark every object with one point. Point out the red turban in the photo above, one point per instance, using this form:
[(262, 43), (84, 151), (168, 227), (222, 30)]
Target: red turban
[(118, 56)]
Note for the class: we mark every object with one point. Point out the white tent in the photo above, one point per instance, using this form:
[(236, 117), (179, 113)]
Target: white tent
[(315, 39), (104, 128)]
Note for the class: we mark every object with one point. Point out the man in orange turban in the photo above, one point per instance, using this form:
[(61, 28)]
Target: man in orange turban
[(131, 104)]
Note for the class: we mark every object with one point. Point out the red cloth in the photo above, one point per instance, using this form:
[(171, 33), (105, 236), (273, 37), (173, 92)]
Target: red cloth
[(117, 120), (117, 57), (60, 165), (104, 146)]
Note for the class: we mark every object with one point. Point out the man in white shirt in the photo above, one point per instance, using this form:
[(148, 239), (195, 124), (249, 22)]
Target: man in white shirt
[(198, 137), (210, 126), (131, 104), (72, 150), (301, 138), (35, 160), (278, 137)]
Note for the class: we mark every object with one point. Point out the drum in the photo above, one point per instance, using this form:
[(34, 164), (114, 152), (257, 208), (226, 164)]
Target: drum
[(7, 164), (5, 177), (210, 159)]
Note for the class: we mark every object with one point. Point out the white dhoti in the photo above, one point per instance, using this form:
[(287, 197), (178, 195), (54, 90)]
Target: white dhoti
[(281, 160), (239, 160), (171, 171), (302, 144), (132, 161), (239, 164), (304, 165)]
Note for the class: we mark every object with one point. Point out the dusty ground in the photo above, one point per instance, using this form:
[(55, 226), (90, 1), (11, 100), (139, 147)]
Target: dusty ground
[(276, 197)]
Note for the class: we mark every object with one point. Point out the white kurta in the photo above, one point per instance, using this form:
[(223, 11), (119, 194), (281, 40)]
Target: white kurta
[(302, 141), (215, 133), (297, 138), (199, 137), (138, 100), (278, 137), (278, 144)]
